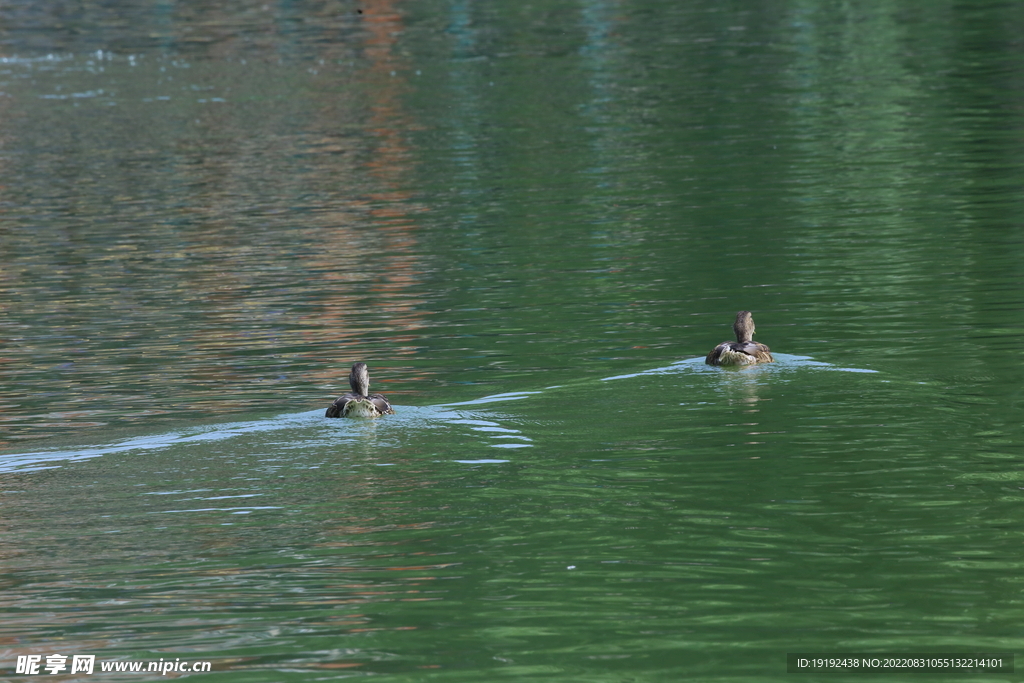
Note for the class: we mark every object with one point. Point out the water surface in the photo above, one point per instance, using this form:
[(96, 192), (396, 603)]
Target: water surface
[(532, 221)]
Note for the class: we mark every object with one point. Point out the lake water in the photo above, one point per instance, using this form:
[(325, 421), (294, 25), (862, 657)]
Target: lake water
[(532, 220)]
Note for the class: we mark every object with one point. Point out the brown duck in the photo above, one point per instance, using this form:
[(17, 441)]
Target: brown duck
[(743, 351), (358, 403)]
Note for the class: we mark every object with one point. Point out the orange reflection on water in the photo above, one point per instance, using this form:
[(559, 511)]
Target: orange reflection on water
[(385, 245)]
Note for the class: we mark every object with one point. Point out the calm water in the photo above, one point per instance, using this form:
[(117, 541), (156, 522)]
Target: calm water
[(532, 220)]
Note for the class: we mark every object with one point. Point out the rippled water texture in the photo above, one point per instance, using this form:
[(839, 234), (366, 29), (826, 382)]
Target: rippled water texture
[(532, 220)]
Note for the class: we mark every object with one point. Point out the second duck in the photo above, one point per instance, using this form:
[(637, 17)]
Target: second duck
[(743, 351)]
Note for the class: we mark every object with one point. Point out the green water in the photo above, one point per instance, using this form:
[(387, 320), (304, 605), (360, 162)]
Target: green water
[(532, 220)]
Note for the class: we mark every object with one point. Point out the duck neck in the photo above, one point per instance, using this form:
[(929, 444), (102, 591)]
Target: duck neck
[(744, 328), (359, 380)]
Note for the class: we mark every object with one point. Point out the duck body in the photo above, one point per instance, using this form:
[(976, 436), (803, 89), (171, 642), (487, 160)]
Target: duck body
[(358, 402), (734, 353), (743, 351)]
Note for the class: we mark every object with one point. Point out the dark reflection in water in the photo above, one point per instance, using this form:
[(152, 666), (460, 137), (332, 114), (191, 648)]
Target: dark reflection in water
[(294, 30)]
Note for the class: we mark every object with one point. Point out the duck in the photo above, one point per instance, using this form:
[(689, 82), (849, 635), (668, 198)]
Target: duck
[(358, 403), (743, 351)]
